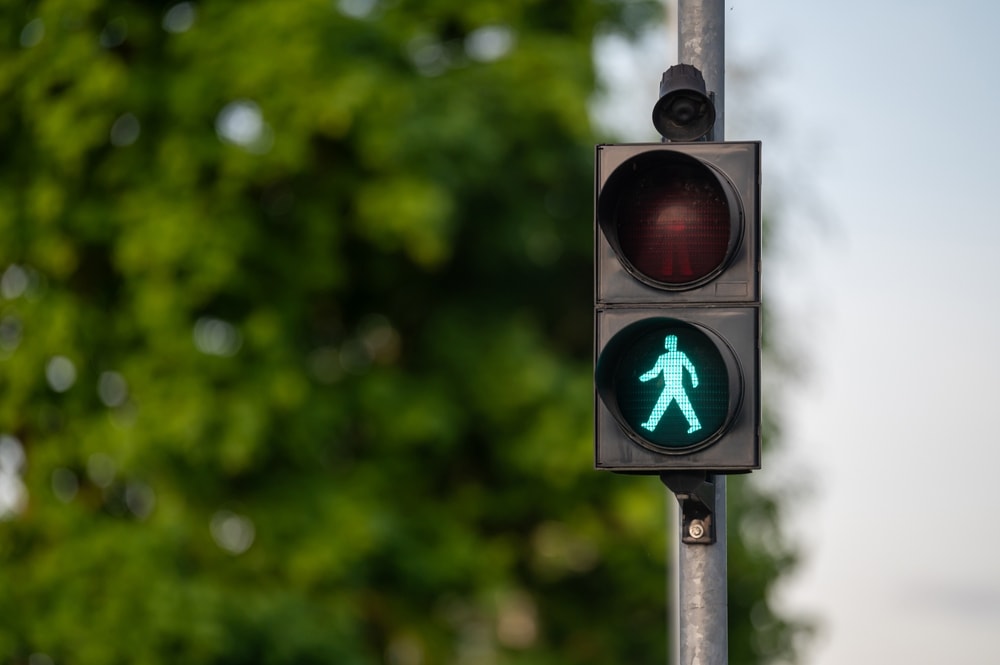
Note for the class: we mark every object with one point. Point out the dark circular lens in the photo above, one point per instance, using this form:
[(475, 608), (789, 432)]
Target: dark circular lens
[(672, 385), (670, 219), (674, 228)]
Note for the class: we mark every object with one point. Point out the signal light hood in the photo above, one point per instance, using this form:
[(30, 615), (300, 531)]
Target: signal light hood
[(685, 111)]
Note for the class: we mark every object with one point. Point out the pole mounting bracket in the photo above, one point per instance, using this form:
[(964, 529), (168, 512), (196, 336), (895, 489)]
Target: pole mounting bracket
[(695, 492)]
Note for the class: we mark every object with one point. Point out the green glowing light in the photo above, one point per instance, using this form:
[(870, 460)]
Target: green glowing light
[(672, 365), (668, 382)]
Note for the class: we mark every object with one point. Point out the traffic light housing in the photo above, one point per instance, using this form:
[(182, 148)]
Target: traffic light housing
[(677, 307)]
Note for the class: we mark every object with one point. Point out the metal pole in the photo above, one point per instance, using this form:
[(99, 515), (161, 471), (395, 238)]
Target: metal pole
[(701, 41), (702, 593), (702, 596)]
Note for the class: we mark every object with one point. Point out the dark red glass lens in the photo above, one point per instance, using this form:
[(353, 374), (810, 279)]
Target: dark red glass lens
[(674, 225)]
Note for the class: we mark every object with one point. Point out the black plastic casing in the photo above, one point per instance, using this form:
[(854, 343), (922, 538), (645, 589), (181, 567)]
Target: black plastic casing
[(725, 303)]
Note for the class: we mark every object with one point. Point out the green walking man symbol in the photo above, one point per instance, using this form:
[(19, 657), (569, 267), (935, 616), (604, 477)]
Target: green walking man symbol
[(672, 365)]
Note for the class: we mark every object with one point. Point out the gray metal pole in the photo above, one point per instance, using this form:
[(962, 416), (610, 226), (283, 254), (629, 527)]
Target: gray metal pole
[(702, 593), (701, 41), (703, 605)]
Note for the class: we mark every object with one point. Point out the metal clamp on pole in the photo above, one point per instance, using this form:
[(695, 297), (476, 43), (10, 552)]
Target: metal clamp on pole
[(695, 491)]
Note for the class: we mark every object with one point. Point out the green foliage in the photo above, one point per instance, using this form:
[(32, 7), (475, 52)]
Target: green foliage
[(295, 337)]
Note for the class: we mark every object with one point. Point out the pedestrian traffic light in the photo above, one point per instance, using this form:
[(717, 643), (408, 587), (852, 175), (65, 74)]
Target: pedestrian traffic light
[(677, 307)]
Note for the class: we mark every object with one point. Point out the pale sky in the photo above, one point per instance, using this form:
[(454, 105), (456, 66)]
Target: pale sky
[(880, 141)]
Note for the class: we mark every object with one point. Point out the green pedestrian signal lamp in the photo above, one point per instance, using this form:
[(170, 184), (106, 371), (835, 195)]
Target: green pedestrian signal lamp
[(677, 296)]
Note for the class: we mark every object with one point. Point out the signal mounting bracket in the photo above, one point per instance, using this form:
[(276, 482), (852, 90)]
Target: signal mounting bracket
[(695, 492)]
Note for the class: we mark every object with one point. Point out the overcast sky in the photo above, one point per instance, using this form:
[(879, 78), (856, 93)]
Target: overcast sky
[(880, 141)]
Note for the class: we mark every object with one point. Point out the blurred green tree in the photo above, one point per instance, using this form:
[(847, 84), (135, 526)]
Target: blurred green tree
[(295, 342)]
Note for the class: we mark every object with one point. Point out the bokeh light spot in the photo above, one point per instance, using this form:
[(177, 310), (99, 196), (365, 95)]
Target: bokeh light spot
[(60, 372), (241, 123), (489, 43), (13, 493), (14, 282), (356, 8), (32, 33), (233, 533), (112, 389), (179, 18), (140, 499), (216, 337), (125, 130)]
